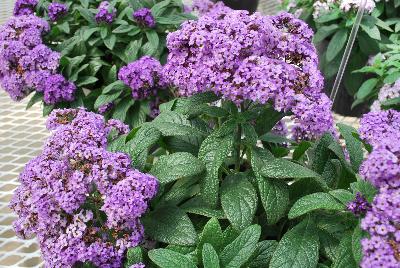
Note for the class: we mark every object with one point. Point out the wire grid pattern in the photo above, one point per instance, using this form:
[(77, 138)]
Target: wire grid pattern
[(22, 134)]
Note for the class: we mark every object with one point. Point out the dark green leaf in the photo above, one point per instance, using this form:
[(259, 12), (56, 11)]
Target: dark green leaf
[(298, 248), (313, 202), (213, 152), (344, 257), (153, 38), (391, 78), (36, 97), (86, 80), (238, 200), (342, 195), (122, 108), (174, 124), (367, 88), (212, 234), (166, 258), (324, 31), (133, 256), (170, 225), (354, 146), (210, 257), (263, 254), (175, 166), (242, 248), (104, 99), (336, 44)]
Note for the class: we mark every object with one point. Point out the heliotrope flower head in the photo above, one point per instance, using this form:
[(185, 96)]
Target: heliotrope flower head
[(56, 88), (106, 13), (243, 57), (57, 10), (25, 7), (82, 202), (144, 18), (359, 205), (105, 107), (143, 76), (23, 56), (382, 248), (376, 126)]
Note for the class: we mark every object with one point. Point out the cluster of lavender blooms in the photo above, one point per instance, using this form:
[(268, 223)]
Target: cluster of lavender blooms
[(359, 206), (387, 92), (81, 201), (353, 5), (27, 64), (57, 11), (243, 57), (209, 8), (144, 18), (25, 7), (106, 13), (105, 108), (143, 76), (381, 129)]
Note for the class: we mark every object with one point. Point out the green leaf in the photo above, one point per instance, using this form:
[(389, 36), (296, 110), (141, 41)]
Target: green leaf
[(174, 124), (64, 27), (47, 109), (324, 31), (88, 33), (146, 137), (110, 41), (213, 152), (238, 200), (115, 86), (86, 80), (272, 138), (372, 31), (210, 257), (356, 244), (159, 8), (175, 166), (36, 97), (354, 146), (103, 32), (166, 258), (122, 108), (342, 195), (298, 248), (367, 88), (212, 234), (171, 225), (344, 257), (133, 256), (86, 14), (125, 28), (285, 169), (153, 38), (336, 44), (313, 202), (274, 194), (301, 149), (365, 188), (242, 248), (104, 99), (335, 14), (391, 78), (263, 254)]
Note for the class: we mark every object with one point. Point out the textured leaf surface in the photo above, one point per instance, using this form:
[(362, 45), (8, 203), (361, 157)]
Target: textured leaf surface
[(175, 166), (241, 249), (166, 258), (263, 254), (313, 202), (298, 248), (213, 152), (170, 225), (353, 145), (344, 257), (239, 200), (210, 257)]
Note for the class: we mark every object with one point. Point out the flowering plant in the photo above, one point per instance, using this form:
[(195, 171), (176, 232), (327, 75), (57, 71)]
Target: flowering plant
[(216, 179), (71, 54), (333, 21), (383, 87)]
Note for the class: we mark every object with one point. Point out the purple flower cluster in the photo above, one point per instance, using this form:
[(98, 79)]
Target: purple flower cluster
[(81, 201), (57, 10), (382, 169), (106, 13), (25, 7), (105, 108), (209, 8), (143, 76), (144, 18), (359, 206), (255, 58), (27, 64), (382, 222), (387, 92), (376, 126)]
